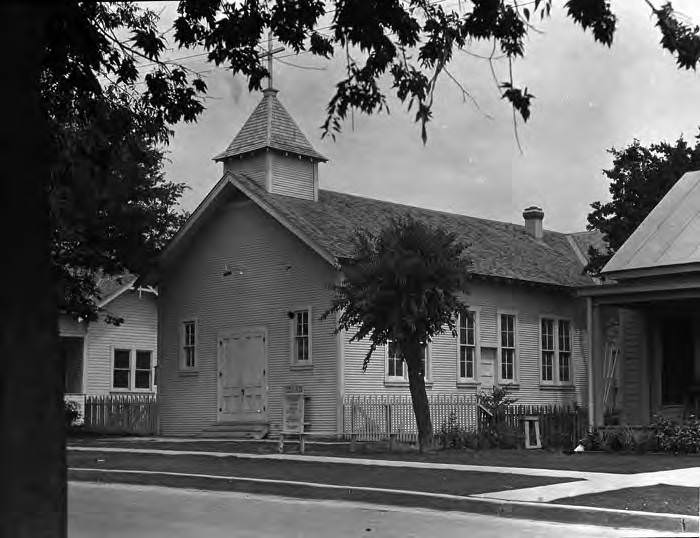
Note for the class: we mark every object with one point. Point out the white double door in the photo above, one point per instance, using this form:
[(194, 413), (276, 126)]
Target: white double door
[(242, 376)]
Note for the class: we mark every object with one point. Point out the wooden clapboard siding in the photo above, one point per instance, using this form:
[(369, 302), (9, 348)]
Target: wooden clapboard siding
[(293, 176), (138, 331), (253, 166), (530, 304), (633, 334), (280, 273)]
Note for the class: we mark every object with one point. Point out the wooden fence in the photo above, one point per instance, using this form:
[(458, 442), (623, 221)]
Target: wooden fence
[(560, 425), (122, 413), (377, 417)]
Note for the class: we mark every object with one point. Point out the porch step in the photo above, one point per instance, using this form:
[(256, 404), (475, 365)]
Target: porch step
[(236, 430)]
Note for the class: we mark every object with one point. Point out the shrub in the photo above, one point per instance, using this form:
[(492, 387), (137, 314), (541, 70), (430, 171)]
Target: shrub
[(677, 437), (71, 413), (452, 435), (620, 439), (496, 401)]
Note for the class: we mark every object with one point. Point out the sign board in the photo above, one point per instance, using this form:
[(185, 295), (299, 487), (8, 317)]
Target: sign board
[(293, 409), (487, 367)]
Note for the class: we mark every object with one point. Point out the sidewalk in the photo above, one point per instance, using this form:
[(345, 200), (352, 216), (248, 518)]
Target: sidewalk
[(525, 502)]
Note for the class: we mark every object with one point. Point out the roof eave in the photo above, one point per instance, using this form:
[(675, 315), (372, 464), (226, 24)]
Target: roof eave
[(526, 283), (655, 271), (313, 155)]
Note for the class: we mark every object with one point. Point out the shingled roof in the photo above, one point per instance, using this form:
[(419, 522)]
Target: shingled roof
[(270, 126), (497, 249)]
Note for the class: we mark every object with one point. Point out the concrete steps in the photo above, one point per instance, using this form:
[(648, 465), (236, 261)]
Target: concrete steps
[(236, 430)]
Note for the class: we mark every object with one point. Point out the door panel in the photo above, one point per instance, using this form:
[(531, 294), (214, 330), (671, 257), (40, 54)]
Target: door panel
[(242, 377)]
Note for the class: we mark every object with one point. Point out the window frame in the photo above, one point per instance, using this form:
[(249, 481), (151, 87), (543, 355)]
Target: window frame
[(151, 371), (294, 362), (500, 380), (182, 355), (477, 350), (132, 369), (556, 349), (403, 380)]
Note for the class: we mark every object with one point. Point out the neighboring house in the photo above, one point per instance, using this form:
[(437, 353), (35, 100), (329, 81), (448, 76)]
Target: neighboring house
[(245, 281), (102, 358), (645, 318)]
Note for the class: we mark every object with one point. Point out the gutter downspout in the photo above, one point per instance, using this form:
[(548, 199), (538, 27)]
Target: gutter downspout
[(589, 338)]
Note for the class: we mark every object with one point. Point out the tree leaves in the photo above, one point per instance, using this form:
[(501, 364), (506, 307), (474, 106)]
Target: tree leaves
[(519, 98), (596, 15), (402, 284), (639, 178), (678, 38)]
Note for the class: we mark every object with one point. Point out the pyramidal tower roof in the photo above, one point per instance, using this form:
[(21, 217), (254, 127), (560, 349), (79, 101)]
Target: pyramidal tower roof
[(270, 126)]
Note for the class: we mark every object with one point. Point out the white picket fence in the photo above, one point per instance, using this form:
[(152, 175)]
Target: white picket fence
[(377, 417), (381, 417)]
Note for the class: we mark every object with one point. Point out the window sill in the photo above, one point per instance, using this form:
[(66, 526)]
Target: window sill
[(187, 373), (132, 391), (468, 384), (301, 367), (554, 386), (509, 385), (395, 383), (400, 383)]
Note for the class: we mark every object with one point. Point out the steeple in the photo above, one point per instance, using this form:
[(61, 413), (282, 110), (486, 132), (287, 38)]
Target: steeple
[(270, 126), (271, 149)]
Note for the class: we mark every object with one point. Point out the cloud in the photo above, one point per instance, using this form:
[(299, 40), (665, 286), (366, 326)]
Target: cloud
[(588, 99)]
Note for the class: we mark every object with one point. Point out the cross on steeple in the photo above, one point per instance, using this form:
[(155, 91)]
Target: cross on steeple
[(270, 53)]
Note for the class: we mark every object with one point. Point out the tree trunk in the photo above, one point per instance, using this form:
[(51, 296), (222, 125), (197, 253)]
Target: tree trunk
[(413, 354), (33, 467)]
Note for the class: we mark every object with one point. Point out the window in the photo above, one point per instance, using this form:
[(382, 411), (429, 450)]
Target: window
[(122, 369), (395, 364), (189, 345), (555, 350), (547, 349), (396, 369), (564, 351), (507, 347), (132, 369), (301, 337), (142, 371), (466, 336)]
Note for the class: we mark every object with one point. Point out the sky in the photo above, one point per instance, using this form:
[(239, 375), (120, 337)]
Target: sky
[(588, 98)]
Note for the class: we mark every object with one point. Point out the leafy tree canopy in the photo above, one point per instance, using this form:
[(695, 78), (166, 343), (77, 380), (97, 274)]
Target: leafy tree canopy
[(639, 179), (111, 95), (403, 285)]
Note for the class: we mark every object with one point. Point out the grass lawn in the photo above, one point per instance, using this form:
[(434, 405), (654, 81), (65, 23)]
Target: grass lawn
[(429, 480), (591, 461), (658, 498)]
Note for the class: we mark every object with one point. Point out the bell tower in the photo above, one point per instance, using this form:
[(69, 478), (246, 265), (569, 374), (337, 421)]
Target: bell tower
[(271, 149)]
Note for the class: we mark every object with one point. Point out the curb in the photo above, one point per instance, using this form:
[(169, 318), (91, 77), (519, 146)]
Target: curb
[(495, 507)]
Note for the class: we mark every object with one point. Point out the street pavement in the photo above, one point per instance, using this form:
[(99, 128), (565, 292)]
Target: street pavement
[(121, 510)]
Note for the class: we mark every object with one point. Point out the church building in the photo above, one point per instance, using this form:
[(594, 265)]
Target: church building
[(244, 283)]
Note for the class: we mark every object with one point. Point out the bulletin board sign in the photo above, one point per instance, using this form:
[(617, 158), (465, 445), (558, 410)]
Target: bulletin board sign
[(293, 409)]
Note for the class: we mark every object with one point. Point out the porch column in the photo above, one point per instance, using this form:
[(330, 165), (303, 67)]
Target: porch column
[(591, 343)]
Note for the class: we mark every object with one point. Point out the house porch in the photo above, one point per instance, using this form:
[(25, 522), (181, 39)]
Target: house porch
[(645, 342)]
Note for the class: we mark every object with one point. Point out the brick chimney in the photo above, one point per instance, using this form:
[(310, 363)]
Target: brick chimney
[(533, 216)]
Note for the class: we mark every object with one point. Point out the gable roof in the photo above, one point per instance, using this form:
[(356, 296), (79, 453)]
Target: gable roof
[(497, 249), (111, 287), (668, 237), (270, 126), (582, 241)]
